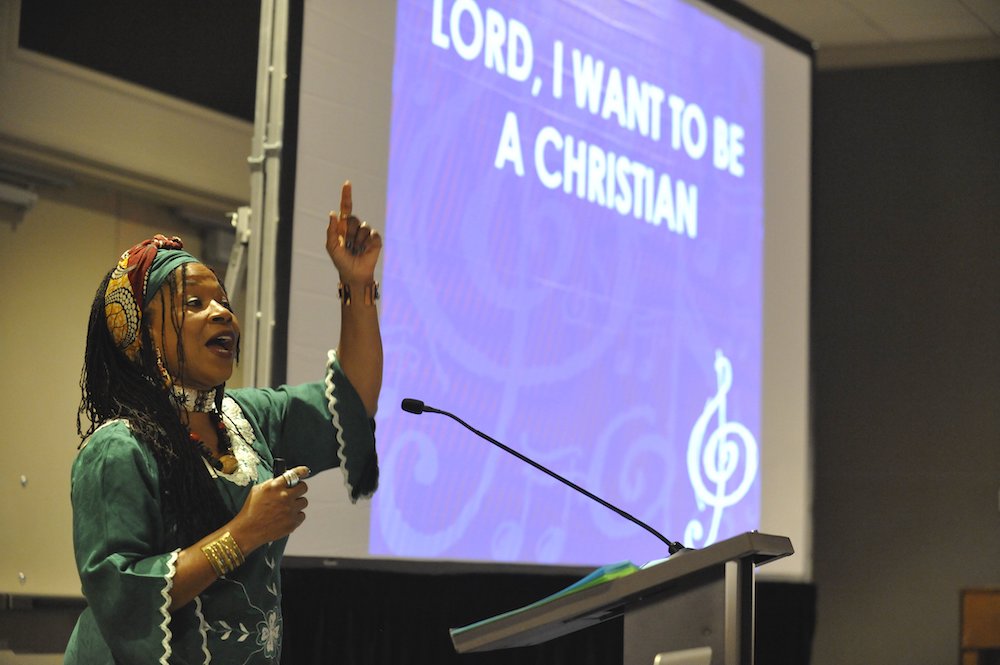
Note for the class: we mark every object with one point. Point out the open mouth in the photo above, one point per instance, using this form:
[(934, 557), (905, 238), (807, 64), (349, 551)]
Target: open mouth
[(226, 342)]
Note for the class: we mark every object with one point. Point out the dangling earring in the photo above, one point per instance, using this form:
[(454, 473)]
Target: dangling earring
[(189, 399)]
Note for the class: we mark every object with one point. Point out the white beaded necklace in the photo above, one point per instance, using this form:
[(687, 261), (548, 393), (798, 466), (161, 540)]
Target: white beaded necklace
[(192, 399)]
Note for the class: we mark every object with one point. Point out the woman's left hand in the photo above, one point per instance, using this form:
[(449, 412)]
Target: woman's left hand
[(352, 244)]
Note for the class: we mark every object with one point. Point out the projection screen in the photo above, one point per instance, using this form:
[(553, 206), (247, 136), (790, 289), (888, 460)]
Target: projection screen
[(596, 221)]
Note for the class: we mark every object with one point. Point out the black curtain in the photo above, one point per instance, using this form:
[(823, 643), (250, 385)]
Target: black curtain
[(370, 617)]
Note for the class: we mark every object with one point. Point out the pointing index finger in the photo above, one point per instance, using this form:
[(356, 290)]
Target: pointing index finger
[(345, 200)]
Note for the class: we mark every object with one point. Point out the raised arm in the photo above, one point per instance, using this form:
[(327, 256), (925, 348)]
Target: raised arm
[(354, 248)]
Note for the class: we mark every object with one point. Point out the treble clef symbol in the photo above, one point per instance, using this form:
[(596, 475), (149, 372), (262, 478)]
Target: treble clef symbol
[(716, 459)]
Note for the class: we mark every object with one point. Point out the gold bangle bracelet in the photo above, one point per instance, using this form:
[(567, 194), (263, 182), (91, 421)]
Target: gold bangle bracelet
[(214, 560), (224, 554), (231, 549)]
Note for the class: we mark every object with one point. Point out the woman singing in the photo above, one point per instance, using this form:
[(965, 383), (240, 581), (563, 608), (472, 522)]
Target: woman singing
[(179, 517)]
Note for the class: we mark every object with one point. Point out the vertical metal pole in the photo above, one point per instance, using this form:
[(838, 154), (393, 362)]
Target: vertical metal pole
[(739, 612), (272, 183), (265, 177)]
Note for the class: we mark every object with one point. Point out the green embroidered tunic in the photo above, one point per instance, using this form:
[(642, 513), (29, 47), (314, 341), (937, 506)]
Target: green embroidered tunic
[(119, 534)]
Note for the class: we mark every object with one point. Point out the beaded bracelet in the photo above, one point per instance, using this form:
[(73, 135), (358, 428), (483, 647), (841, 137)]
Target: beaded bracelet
[(224, 554), (371, 293)]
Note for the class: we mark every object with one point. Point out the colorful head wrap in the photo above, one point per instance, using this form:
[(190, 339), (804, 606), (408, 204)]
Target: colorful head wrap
[(139, 274)]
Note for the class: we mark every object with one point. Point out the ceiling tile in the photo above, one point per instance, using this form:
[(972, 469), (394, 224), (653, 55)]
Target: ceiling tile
[(821, 21), (921, 20), (842, 22), (987, 11), (851, 33)]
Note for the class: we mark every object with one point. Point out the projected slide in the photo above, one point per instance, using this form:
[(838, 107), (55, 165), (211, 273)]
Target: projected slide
[(574, 266)]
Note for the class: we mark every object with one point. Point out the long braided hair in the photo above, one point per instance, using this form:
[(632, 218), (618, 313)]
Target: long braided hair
[(113, 387)]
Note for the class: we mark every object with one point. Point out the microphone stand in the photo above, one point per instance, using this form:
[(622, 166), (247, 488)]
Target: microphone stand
[(417, 407)]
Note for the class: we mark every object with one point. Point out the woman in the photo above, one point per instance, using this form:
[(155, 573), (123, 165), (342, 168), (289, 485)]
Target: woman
[(180, 517)]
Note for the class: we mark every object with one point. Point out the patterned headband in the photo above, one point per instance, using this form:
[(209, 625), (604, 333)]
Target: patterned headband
[(140, 273)]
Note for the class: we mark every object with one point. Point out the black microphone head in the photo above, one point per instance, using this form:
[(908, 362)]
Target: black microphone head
[(411, 405)]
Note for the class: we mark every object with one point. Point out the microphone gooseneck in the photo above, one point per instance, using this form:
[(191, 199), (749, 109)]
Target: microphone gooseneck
[(416, 406)]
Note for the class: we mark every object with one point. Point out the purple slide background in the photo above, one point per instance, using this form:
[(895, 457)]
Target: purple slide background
[(585, 339)]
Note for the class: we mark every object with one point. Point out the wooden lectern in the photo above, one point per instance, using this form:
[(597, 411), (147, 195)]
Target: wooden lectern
[(693, 600)]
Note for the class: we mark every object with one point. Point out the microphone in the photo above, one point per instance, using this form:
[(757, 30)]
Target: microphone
[(416, 406), (411, 405)]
